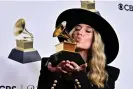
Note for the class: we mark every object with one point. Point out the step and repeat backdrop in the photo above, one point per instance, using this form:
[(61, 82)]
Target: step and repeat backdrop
[(38, 23)]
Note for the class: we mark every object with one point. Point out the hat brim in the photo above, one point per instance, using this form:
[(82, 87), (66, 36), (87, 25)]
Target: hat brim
[(77, 16)]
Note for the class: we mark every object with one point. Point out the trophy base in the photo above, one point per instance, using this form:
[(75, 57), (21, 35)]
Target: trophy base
[(66, 55), (24, 57)]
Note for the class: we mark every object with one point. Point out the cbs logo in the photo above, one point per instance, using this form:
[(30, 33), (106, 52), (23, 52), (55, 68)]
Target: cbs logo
[(125, 7), (7, 87)]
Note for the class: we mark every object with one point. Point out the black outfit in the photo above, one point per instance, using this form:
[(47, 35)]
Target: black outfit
[(48, 78)]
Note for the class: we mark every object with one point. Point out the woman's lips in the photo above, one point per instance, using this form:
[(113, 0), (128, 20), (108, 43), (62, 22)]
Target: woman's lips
[(78, 39)]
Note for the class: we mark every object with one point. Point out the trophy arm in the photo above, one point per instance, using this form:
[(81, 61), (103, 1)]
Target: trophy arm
[(28, 35)]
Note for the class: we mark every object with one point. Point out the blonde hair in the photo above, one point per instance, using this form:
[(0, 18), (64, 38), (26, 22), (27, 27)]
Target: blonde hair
[(97, 73), (96, 64)]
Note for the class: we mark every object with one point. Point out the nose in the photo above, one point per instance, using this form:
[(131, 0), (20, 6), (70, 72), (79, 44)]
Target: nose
[(80, 32)]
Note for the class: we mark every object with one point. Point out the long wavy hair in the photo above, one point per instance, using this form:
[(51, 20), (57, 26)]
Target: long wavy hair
[(96, 60)]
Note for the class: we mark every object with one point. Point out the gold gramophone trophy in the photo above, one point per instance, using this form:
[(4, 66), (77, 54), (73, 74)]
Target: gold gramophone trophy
[(24, 51), (66, 49)]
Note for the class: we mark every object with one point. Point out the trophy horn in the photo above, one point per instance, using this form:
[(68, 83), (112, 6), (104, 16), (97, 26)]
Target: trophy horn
[(60, 31), (19, 27)]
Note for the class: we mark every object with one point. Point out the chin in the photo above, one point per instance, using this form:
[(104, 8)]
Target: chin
[(80, 48)]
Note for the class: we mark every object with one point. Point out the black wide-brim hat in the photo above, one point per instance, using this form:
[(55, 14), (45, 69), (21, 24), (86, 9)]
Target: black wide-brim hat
[(77, 16)]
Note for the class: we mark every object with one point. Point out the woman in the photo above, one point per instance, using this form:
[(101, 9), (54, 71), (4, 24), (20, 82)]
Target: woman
[(92, 34)]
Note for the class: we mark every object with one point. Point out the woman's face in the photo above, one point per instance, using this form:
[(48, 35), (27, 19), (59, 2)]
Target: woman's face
[(83, 35)]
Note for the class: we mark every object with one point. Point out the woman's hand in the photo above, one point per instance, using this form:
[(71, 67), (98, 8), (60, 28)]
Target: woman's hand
[(58, 68), (72, 66), (67, 67)]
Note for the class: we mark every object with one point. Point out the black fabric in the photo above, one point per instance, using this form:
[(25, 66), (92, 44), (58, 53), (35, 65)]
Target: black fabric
[(46, 79), (77, 16)]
